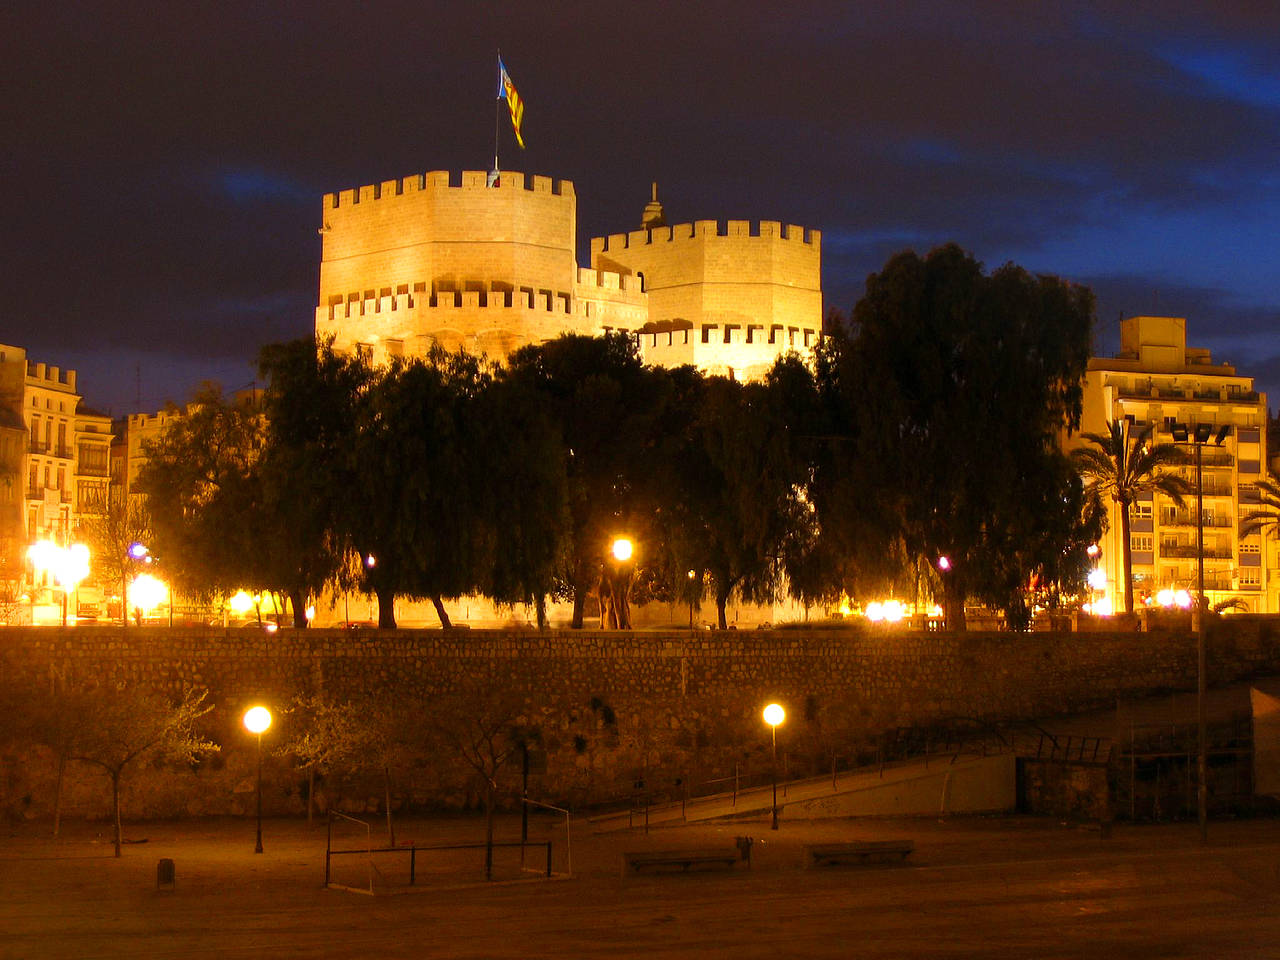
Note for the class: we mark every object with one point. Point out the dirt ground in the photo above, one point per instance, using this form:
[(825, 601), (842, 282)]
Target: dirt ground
[(1007, 887)]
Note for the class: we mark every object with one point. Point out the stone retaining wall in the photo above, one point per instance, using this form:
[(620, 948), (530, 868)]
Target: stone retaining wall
[(612, 708)]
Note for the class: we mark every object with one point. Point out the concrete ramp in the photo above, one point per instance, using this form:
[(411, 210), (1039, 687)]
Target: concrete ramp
[(913, 788), (977, 785)]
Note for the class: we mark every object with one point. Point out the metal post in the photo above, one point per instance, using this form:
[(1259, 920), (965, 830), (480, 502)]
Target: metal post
[(773, 734), (1201, 761), (257, 849)]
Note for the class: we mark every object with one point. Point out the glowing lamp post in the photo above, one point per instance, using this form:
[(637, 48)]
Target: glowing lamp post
[(257, 720), (146, 593), (774, 715), (1199, 434), (622, 549)]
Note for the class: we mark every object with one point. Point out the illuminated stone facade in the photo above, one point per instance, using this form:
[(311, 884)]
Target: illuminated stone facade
[(1157, 379), (55, 454), (430, 259)]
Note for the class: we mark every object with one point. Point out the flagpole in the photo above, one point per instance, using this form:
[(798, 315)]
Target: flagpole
[(497, 119)]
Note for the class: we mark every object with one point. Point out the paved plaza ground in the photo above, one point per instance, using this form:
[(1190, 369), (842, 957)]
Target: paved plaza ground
[(1004, 887)]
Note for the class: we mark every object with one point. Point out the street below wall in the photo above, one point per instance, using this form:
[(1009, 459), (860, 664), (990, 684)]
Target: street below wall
[(995, 888)]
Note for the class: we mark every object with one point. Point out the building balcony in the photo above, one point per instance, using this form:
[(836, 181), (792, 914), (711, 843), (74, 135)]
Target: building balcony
[(92, 470), (1189, 520), (63, 453), (38, 446), (1190, 551)]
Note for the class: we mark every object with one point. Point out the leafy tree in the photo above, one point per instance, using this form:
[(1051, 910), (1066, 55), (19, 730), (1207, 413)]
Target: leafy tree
[(376, 735), (738, 497), (304, 471), (204, 495), (415, 500), (117, 728), (610, 412), (518, 445), (109, 536), (944, 406), (1118, 468)]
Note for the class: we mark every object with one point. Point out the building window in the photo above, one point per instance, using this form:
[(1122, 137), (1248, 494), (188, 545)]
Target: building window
[(1140, 543), (1141, 510), (1248, 547)]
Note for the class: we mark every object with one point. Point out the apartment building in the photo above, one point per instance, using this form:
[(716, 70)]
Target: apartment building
[(1161, 385)]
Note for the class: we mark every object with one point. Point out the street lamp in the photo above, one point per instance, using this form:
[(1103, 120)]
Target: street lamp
[(1198, 434), (257, 720), (774, 715), (619, 579)]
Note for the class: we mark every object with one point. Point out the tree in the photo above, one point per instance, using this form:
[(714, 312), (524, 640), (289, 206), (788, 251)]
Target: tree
[(304, 473), (1118, 468), (738, 499), (517, 443), (945, 404), (109, 536), (610, 412), (1266, 516), (415, 501), (204, 495), (120, 727), (484, 726), (377, 735)]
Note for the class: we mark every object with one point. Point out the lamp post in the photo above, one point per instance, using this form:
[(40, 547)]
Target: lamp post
[(774, 715), (257, 720), (1198, 434)]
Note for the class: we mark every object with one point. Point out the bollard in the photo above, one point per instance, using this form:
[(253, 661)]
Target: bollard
[(165, 876)]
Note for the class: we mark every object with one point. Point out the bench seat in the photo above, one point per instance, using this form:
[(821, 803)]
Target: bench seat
[(633, 861), (857, 852)]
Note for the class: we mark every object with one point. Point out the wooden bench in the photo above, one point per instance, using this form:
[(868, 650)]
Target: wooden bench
[(635, 860), (857, 852)]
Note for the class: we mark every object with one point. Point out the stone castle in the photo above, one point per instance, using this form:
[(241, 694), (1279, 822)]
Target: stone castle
[(435, 259)]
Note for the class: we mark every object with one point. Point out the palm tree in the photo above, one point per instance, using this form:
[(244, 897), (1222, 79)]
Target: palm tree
[(1267, 514), (1120, 468)]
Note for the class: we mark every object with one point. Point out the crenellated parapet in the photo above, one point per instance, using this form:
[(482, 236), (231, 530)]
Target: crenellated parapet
[(438, 181), (733, 232)]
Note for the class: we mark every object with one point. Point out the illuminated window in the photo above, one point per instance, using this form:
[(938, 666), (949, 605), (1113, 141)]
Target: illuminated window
[(1140, 543)]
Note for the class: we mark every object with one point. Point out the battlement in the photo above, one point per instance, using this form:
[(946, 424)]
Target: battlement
[(356, 305), (53, 378), (734, 230), (438, 181), (608, 280)]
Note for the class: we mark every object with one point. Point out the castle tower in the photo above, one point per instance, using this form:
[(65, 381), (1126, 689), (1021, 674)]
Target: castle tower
[(726, 297), (427, 260)]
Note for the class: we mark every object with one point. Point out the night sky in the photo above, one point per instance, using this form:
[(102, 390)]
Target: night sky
[(164, 163)]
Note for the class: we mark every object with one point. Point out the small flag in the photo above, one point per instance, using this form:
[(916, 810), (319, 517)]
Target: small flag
[(508, 89)]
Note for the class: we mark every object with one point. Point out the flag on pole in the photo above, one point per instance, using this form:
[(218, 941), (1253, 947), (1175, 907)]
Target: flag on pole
[(507, 89)]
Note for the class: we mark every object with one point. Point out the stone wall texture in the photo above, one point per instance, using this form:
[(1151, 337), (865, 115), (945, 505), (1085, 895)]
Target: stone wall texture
[(675, 710)]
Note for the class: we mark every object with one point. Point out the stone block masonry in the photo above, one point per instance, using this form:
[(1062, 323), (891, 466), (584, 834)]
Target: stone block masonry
[(612, 709)]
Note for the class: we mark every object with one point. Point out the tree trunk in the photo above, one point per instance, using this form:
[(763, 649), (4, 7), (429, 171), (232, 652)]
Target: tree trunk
[(57, 792), (722, 601), (1126, 554), (540, 605), (391, 830), (438, 603), (579, 602), (386, 608), (311, 792), (298, 601), (115, 803), (953, 597), (488, 829)]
